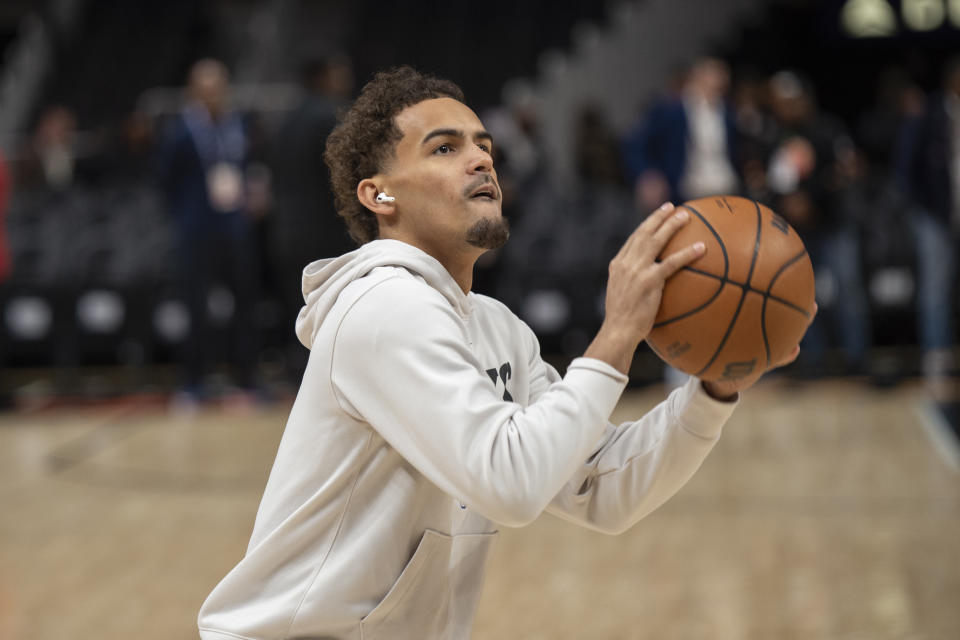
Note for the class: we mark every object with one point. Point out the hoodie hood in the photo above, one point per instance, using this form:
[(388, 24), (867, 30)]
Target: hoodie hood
[(323, 280)]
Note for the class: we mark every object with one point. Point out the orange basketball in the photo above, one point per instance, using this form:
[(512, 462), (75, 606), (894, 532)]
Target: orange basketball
[(745, 303)]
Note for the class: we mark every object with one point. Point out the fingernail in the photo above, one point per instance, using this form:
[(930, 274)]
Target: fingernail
[(666, 206), (699, 247), (682, 214)]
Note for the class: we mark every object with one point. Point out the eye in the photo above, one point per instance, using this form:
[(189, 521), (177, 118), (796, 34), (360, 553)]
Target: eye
[(484, 147), (444, 149)]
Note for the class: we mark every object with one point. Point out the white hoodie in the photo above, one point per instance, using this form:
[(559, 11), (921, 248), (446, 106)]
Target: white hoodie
[(425, 418)]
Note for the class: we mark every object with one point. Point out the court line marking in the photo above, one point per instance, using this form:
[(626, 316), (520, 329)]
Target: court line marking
[(939, 433), (162, 480), (77, 454), (87, 445)]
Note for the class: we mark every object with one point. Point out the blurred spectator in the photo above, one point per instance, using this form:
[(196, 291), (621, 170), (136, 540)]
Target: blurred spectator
[(756, 132), (685, 147), (602, 215), (200, 165), (305, 225), (597, 156), (127, 155), (879, 127), (4, 199), (49, 159), (929, 163), (881, 208), (809, 173), (4, 262)]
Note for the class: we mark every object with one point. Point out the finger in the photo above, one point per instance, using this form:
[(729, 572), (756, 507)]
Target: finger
[(675, 261), (652, 223), (813, 315), (647, 228), (662, 235), (657, 217), (788, 359)]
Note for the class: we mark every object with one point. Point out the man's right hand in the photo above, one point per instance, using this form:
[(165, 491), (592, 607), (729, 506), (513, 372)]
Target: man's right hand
[(635, 285)]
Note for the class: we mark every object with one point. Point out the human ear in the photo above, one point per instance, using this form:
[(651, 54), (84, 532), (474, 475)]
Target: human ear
[(375, 197)]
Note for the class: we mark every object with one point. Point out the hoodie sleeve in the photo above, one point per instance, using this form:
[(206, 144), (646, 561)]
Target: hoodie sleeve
[(639, 465), (402, 362)]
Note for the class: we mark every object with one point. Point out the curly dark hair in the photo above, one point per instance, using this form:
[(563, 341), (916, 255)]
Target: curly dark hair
[(367, 136)]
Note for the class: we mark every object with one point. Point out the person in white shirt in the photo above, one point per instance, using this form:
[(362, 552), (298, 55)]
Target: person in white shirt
[(685, 145), (709, 167), (426, 417)]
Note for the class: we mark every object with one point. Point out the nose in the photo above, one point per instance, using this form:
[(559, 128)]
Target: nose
[(480, 161)]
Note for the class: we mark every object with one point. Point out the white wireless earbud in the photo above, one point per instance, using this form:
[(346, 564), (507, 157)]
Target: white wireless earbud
[(383, 197)]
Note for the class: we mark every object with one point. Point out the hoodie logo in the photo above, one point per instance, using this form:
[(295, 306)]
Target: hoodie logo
[(505, 373)]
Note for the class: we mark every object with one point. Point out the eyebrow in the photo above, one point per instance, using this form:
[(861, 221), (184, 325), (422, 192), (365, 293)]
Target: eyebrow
[(455, 133)]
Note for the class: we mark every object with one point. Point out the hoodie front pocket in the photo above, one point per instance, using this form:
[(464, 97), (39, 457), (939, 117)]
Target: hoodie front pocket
[(437, 592)]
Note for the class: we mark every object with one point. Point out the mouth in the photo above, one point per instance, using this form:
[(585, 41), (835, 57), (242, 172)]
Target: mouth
[(487, 192)]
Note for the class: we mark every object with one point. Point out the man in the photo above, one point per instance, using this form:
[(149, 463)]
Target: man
[(5, 265), (426, 417), (928, 165), (201, 164), (812, 172), (685, 147)]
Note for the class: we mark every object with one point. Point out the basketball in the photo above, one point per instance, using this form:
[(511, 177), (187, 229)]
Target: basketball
[(745, 303)]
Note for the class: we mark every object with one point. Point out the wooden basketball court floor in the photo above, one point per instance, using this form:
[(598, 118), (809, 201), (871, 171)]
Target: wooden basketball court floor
[(826, 511)]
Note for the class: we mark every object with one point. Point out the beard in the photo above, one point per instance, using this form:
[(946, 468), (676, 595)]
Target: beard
[(489, 233)]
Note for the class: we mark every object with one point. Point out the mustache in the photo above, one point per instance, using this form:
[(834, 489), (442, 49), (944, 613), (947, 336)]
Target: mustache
[(481, 181)]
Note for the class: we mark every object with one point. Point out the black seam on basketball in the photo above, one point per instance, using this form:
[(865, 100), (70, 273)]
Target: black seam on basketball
[(710, 275), (724, 281), (756, 244), (779, 273), (767, 296), (756, 252), (763, 327), (692, 311), (787, 303), (723, 247), (726, 335), (743, 294)]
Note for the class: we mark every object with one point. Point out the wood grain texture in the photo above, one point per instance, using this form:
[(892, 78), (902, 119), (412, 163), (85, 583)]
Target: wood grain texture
[(824, 512)]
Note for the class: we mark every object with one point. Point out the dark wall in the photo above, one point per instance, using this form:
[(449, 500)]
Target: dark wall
[(807, 35), (478, 45)]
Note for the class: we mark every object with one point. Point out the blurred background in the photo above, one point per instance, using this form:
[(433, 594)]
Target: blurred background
[(162, 187), (831, 112)]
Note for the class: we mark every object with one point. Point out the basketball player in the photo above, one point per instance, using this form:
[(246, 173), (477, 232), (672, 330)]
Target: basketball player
[(426, 418)]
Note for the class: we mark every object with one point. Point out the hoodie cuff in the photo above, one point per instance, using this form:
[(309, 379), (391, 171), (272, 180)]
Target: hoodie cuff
[(601, 384), (600, 367), (700, 414)]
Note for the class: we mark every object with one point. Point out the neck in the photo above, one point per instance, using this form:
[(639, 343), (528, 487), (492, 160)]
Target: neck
[(698, 95), (459, 264), (463, 275)]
